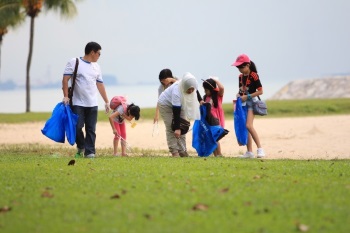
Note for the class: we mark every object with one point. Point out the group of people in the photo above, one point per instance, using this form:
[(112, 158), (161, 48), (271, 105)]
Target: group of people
[(178, 98)]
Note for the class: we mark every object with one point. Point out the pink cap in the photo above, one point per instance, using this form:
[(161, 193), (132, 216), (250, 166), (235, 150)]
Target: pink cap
[(241, 59)]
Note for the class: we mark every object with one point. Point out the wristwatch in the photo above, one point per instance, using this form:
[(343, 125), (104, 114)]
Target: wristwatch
[(249, 96)]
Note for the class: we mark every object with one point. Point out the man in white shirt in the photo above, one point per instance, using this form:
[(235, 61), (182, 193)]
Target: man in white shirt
[(88, 83)]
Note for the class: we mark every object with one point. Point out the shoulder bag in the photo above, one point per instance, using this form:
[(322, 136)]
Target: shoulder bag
[(184, 125), (259, 107), (71, 89)]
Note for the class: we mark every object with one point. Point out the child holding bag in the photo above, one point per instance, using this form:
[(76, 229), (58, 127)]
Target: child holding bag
[(214, 93), (249, 89)]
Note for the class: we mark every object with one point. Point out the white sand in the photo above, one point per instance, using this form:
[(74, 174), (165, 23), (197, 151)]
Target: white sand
[(290, 138)]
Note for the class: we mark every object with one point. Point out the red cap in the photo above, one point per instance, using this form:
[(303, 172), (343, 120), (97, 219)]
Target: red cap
[(241, 59)]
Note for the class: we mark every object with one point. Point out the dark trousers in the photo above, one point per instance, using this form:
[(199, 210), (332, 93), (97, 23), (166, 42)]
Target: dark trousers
[(87, 117)]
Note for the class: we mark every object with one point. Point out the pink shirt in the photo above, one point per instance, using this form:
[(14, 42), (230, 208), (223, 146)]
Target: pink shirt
[(217, 112)]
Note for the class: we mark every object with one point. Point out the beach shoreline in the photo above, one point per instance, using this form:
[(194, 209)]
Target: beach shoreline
[(321, 137)]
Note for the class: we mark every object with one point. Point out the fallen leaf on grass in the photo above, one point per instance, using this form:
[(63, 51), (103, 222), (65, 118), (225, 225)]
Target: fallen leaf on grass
[(200, 206), (257, 177), (302, 227), (148, 216), (115, 196), (71, 163), (47, 194), (5, 209), (248, 203), (224, 190)]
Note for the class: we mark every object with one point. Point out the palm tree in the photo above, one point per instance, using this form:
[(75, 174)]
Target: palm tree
[(10, 16), (66, 8)]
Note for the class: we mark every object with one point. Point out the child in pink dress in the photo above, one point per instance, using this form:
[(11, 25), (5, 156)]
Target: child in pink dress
[(214, 93)]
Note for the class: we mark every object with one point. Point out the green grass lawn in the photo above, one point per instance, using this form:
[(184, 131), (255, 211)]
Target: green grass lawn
[(153, 193), (276, 108), (41, 193)]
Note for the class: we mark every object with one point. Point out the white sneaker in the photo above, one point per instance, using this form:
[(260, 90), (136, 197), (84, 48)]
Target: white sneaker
[(247, 155), (90, 156), (260, 153)]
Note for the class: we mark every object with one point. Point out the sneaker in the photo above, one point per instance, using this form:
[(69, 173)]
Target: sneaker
[(183, 154), (90, 156), (247, 155), (260, 153), (79, 154)]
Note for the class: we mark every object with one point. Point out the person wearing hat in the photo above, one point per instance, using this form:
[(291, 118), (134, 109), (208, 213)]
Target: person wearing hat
[(249, 89)]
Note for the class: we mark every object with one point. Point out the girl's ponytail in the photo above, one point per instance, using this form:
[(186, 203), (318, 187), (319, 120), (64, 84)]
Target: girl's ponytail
[(253, 67)]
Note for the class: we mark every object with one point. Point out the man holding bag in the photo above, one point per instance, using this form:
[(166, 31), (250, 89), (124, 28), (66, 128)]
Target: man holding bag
[(87, 84)]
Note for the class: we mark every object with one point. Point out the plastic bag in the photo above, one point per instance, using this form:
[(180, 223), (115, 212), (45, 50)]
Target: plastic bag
[(70, 124), (54, 127), (61, 123), (205, 136), (240, 119)]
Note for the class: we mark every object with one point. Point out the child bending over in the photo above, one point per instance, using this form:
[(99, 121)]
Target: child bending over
[(121, 111)]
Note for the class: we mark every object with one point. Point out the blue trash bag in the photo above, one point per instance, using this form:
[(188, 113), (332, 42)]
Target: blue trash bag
[(205, 136), (55, 127), (70, 124), (240, 119)]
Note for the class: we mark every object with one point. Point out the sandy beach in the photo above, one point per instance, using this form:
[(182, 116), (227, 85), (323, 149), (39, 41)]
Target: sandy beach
[(323, 137)]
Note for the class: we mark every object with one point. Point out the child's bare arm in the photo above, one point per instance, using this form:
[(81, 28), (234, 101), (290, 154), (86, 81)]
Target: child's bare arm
[(111, 121), (221, 87), (129, 118)]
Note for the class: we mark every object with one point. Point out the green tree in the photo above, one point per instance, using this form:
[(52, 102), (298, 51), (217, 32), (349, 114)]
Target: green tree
[(66, 8), (10, 16)]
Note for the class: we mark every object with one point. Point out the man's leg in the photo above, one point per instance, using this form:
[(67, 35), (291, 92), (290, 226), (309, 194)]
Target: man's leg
[(90, 130), (80, 139)]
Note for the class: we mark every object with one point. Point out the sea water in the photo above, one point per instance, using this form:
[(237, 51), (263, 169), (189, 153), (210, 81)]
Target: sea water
[(145, 95)]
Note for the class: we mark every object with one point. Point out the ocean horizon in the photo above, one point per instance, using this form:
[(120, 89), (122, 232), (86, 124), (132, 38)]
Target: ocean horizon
[(146, 95)]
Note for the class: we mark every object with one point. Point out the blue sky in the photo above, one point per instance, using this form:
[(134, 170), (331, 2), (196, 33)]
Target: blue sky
[(288, 40)]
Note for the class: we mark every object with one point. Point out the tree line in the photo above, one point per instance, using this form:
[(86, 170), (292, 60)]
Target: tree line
[(13, 14)]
